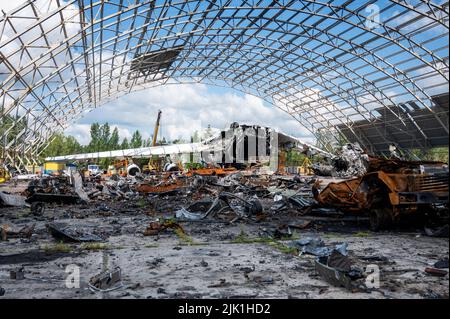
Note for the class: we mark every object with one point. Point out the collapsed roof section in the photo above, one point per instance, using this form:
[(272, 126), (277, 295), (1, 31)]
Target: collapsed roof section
[(152, 63), (328, 63), (422, 129)]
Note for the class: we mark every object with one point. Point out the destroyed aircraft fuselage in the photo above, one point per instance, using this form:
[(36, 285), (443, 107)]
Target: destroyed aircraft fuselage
[(389, 189)]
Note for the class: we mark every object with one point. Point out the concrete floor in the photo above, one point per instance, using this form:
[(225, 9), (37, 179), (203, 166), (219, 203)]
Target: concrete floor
[(213, 260)]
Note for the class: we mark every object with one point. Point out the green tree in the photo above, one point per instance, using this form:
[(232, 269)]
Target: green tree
[(62, 145), (94, 144), (113, 143), (105, 135), (136, 140), (124, 145)]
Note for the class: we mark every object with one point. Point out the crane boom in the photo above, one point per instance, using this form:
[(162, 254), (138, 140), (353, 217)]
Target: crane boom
[(155, 133)]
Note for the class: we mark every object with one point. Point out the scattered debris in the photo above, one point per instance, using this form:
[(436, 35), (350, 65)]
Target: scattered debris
[(441, 264), (269, 210), (316, 246), (78, 185), (68, 234), (157, 227), (12, 200), (25, 232), (338, 269), (388, 190), (106, 281), (17, 274), (442, 231), (436, 272)]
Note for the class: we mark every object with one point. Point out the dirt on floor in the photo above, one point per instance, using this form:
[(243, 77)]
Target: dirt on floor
[(210, 258)]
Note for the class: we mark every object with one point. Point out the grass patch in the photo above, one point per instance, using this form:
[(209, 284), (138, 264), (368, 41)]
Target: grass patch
[(362, 234), (94, 246), (57, 248), (244, 239), (249, 240), (151, 246), (284, 249), (184, 238)]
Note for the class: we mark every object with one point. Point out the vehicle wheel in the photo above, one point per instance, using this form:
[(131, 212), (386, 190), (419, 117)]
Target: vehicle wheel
[(380, 218)]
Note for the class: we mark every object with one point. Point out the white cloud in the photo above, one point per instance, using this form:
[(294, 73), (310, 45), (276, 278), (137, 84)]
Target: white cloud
[(185, 109)]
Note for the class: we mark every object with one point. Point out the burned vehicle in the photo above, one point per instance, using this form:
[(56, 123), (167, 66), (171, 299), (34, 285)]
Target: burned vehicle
[(390, 190)]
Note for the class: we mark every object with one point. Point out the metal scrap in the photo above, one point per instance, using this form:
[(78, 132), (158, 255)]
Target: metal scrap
[(436, 272), (157, 227), (338, 269), (68, 234), (17, 274), (106, 281), (12, 200), (316, 246), (25, 232), (78, 185)]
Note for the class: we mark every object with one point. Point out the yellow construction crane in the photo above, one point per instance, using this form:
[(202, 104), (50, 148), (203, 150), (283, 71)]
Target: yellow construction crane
[(155, 132), (153, 163)]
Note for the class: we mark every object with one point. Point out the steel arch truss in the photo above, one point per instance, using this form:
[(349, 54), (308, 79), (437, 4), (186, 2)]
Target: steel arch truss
[(332, 65)]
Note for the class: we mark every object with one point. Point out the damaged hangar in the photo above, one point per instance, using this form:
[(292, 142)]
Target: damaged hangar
[(365, 78)]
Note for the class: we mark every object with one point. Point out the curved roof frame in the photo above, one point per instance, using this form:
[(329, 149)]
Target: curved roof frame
[(326, 63)]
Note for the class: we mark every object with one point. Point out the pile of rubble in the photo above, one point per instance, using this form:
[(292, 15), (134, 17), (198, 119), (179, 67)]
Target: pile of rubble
[(278, 203)]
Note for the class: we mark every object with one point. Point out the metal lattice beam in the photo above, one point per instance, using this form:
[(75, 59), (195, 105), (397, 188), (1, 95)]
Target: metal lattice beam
[(330, 64)]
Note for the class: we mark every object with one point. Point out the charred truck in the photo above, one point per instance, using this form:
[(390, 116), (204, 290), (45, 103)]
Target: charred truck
[(391, 190)]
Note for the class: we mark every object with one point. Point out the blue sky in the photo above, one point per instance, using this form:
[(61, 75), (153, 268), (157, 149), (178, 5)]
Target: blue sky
[(191, 107)]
